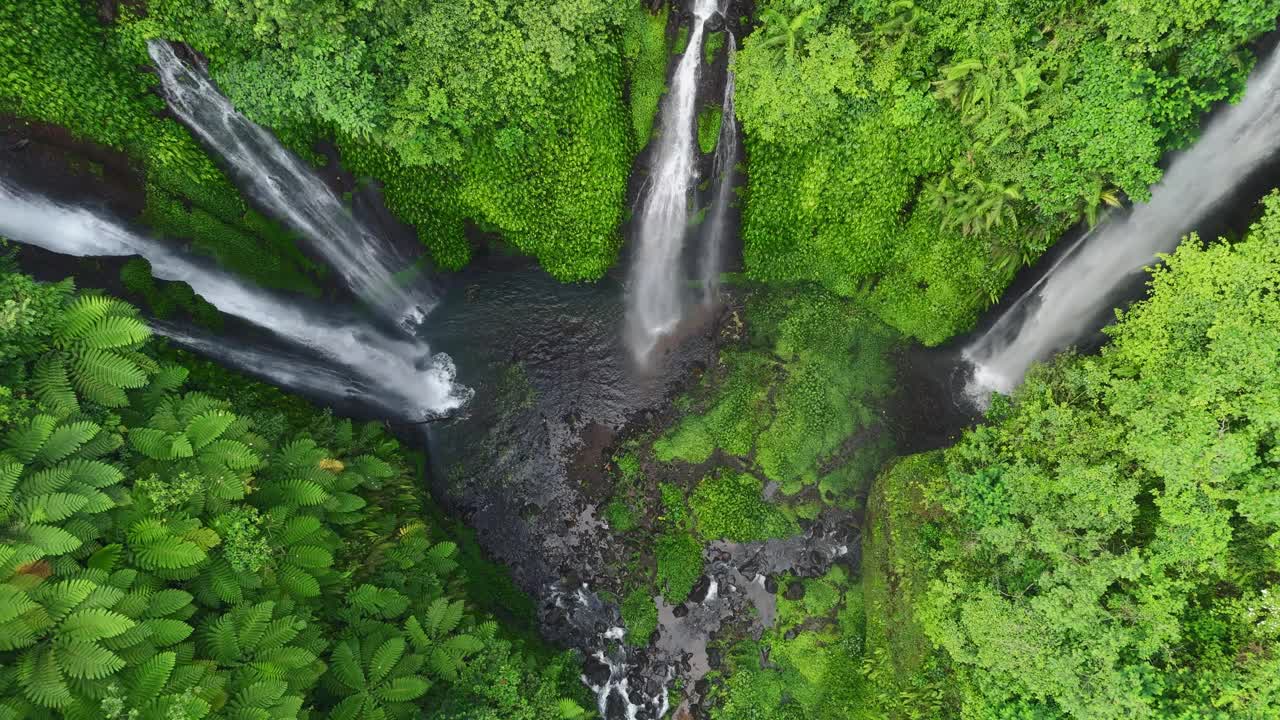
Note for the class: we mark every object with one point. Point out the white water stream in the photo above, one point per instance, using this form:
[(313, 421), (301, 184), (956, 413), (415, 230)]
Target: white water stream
[(400, 375), (291, 191), (1067, 303), (655, 292), (725, 161)]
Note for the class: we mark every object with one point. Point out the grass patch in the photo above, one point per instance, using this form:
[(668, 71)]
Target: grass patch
[(709, 128), (729, 506), (679, 556), (640, 615)]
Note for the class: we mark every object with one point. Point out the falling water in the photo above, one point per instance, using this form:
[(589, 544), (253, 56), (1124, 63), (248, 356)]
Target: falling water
[(654, 302), (1071, 298), (407, 380), (282, 369), (725, 161), (289, 189)]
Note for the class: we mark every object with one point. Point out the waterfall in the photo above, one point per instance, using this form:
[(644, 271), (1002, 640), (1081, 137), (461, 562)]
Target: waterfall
[(655, 302), (290, 190), (1070, 299), (725, 161), (282, 369), (398, 374)]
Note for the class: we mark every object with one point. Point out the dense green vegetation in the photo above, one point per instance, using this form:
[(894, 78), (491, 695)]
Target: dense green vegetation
[(915, 153), (179, 548), (1106, 545)]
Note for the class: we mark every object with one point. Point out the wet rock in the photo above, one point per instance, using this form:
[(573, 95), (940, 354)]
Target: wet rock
[(795, 591), (596, 672), (680, 611), (713, 657), (616, 707), (20, 145), (701, 687), (791, 634), (771, 585), (699, 591)]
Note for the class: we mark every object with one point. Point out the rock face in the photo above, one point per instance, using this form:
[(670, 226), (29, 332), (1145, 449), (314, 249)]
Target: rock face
[(633, 682)]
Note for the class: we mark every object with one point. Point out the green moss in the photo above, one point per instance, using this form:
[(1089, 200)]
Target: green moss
[(640, 614), (629, 466), (644, 52), (673, 505), (682, 40), (734, 419), (679, 557), (620, 516), (709, 128), (729, 506), (714, 42)]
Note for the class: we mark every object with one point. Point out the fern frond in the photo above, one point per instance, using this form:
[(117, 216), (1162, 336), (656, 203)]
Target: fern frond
[(42, 680), (145, 682), (208, 426), (385, 658), (86, 660), (24, 441), (79, 317), (404, 689), (92, 472), (53, 386), (65, 440), (51, 507), (344, 663), (91, 624), (115, 331)]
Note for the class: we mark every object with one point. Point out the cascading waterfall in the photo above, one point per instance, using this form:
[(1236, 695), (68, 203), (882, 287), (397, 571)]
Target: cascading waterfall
[(655, 302), (726, 160), (398, 374), (290, 190), (282, 369), (1069, 301)]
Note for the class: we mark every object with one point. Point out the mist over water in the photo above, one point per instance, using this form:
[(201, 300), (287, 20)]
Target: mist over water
[(655, 292), (400, 375), (726, 159), (291, 191), (1072, 299)]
